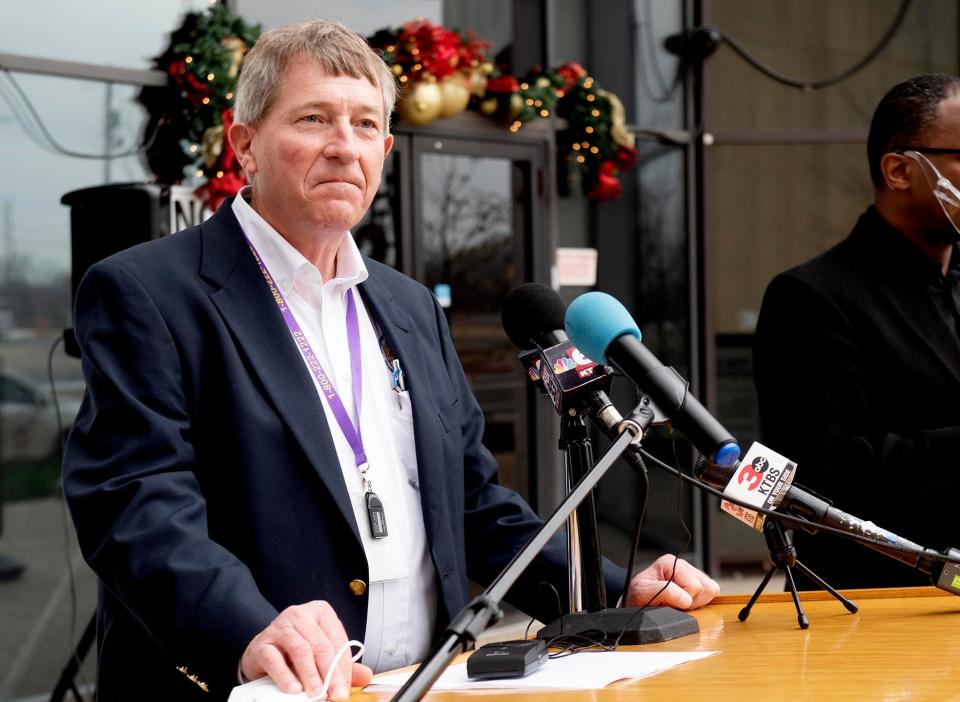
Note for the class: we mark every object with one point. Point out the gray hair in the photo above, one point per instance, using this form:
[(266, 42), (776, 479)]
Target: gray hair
[(338, 49)]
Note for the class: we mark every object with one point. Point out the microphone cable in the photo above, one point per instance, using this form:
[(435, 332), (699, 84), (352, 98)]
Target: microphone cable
[(808, 85)]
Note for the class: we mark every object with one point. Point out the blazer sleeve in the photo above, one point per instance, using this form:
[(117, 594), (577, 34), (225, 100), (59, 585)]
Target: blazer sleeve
[(497, 521), (129, 476), (815, 400)]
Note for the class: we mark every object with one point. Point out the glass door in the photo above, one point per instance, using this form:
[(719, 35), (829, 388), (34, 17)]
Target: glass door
[(474, 220)]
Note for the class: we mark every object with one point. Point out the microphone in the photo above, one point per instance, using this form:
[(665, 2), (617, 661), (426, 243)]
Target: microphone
[(532, 316), (762, 467), (603, 329)]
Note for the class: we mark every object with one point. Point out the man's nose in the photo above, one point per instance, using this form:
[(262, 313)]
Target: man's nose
[(342, 142)]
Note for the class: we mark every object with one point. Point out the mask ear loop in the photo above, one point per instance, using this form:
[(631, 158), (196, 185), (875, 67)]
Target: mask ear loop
[(944, 191), (322, 695)]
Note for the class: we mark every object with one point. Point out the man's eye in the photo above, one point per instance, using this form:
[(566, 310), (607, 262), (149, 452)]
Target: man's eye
[(368, 124), (311, 118)]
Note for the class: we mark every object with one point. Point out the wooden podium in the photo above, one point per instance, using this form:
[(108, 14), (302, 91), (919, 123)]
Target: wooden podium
[(903, 644)]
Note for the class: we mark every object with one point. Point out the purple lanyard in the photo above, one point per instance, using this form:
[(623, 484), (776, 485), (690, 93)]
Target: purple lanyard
[(351, 432)]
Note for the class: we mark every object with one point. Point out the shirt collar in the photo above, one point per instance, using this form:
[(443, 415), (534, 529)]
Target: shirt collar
[(890, 246), (288, 266)]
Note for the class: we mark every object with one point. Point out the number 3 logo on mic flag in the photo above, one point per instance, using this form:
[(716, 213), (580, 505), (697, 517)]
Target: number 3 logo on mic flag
[(760, 480)]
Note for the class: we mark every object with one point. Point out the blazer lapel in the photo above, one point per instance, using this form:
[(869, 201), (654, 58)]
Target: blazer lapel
[(397, 326), (248, 308)]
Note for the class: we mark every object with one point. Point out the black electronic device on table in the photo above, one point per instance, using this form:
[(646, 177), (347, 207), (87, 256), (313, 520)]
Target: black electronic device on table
[(506, 659)]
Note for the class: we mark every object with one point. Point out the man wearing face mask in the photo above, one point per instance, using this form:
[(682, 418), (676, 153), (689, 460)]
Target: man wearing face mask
[(857, 352)]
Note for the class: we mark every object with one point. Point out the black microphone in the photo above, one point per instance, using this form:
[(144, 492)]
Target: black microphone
[(532, 316), (749, 475), (600, 326)]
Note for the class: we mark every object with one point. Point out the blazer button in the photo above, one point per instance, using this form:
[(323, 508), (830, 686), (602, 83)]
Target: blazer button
[(358, 587)]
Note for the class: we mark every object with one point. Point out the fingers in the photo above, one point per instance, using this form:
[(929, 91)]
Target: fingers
[(700, 586), (273, 663), (688, 587), (656, 593), (362, 675), (336, 637), (297, 649)]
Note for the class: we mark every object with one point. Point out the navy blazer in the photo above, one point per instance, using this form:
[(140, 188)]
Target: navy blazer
[(203, 479)]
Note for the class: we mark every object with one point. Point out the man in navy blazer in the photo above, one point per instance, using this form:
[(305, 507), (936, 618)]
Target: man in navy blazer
[(208, 486)]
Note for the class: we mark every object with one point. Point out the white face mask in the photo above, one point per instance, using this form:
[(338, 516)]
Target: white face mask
[(946, 192)]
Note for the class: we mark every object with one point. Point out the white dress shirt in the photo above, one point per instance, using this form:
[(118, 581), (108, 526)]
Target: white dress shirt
[(402, 592)]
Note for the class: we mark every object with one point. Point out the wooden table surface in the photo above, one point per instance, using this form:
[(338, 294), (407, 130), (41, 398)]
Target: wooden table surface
[(903, 644)]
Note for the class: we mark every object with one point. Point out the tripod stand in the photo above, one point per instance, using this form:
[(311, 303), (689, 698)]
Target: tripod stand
[(783, 556)]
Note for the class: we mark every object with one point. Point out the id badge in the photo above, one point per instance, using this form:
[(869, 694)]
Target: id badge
[(385, 556)]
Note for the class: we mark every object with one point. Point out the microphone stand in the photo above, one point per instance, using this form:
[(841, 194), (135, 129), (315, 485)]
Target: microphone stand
[(485, 608), (588, 589), (622, 624), (783, 556)]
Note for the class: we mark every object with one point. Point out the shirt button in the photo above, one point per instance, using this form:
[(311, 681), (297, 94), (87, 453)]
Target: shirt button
[(358, 587)]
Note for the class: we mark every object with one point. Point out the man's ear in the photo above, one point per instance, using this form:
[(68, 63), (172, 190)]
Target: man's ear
[(896, 170), (241, 137)]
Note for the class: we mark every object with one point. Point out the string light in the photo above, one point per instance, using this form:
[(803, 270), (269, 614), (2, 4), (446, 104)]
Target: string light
[(591, 98), (588, 129), (595, 113), (199, 173), (576, 147), (580, 159), (189, 59), (403, 79), (193, 148), (210, 76), (594, 150), (206, 101), (544, 113), (585, 144), (588, 82), (530, 101), (538, 103), (219, 174), (229, 96), (524, 86)]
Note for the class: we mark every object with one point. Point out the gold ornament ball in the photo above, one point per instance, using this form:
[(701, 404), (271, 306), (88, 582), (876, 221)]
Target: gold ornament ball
[(422, 105), (454, 95), (488, 106), (516, 104), (477, 83)]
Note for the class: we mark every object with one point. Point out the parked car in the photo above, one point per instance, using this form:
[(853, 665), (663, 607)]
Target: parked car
[(29, 429)]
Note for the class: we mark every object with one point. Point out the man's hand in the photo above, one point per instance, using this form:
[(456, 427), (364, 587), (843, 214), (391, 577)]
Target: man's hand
[(296, 650), (691, 588)]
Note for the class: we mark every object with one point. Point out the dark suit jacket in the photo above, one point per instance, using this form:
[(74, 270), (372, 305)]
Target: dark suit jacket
[(858, 377), (203, 479)]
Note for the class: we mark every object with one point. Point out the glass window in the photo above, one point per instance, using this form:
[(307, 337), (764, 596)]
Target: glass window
[(812, 40), (106, 32), (45, 607)]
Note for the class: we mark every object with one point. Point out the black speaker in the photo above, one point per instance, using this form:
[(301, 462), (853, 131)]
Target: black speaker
[(107, 219)]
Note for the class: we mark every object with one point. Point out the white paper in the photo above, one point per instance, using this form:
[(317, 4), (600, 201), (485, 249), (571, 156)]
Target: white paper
[(587, 670)]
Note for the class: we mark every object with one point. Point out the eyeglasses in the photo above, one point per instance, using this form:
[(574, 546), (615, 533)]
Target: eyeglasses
[(930, 150)]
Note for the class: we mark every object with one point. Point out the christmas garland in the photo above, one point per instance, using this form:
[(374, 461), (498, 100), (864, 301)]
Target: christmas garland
[(441, 72), (188, 117)]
